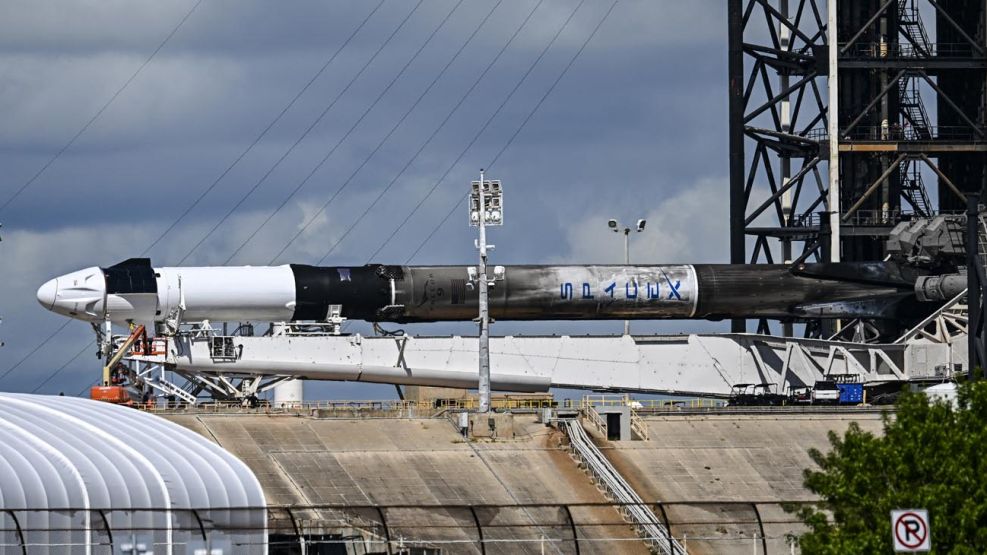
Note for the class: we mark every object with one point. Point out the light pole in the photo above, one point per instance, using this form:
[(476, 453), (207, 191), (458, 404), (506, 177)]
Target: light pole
[(615, 226), (485, 208)]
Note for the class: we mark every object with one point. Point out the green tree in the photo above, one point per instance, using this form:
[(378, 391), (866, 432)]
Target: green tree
[(931, 456)]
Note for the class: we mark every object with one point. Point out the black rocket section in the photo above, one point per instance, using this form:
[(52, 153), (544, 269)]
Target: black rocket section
[(406, 294), (819, 290), (134, 275), (361, 291)]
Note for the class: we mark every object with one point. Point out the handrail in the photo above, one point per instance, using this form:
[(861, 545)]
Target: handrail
[(604, 400), (638, 425), (597, 420), (650, 527)]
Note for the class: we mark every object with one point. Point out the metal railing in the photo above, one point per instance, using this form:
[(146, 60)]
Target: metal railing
[(329, 407), (611, 400), (639, 426), (722, 526), (655, 534), (397, 407), (596, 419), (907, 50), (905, 133)]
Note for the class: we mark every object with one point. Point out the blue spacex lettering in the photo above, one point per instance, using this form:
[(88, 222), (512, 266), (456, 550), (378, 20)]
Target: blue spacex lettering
[(653, 291)]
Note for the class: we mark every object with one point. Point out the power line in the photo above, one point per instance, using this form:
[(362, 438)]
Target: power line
[(253, 189), (428, 141), (102, 109), (285, 109), (554, 84), (85, 388), (61, 368), (36, 349), (455, 162), (264, 132), (379, 145), (229, 168), (523, 124), (425, 144), (499, 153)]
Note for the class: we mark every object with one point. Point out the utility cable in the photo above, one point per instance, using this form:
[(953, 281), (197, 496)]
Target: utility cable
[(61, 368), (86, 388), (428, 141), (319, 119), (36, 349), (306, 132), (228, 169), (552, 87), (448, 116), (523, 123), (500, 152), (448, 170), (313, 172), (102, 109), (475, 137), (263, 133), (319, 165)]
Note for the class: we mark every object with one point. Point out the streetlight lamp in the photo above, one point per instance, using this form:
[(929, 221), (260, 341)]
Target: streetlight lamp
[(615, 226), (486, 207)]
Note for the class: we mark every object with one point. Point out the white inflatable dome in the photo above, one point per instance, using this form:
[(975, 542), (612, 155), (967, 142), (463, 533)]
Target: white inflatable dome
[(81, 476)]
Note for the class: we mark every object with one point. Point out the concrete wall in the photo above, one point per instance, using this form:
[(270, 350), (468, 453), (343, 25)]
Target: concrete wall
[(715, 459), (304, 461), (728, 458)]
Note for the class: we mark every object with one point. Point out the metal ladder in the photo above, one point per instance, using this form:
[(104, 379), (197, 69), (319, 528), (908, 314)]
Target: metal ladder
[(910, 24), (913, 109), (153, 377), (913, 188)]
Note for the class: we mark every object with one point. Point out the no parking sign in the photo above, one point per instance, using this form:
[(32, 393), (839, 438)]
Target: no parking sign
[(910, 530)]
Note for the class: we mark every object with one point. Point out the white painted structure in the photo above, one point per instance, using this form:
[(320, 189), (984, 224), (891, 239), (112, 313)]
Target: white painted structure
[(81, 476), (187, 294), (290, 393), (707, 364)]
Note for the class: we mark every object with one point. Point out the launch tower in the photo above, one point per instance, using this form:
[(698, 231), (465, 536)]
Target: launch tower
[(834, 142)]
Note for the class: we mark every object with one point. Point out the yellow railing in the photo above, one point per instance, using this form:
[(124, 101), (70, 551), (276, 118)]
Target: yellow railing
[(605, 400), (597, 420), (501, 404), (639, 426)]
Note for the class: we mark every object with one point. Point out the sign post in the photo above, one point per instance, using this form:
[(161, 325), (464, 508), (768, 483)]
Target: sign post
[(910, 531)]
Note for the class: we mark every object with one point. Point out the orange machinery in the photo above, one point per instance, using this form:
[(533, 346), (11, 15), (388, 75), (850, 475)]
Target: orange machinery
[(114, 393)]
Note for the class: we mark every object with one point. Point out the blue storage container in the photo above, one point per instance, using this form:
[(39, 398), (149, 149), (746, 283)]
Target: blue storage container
[(851, 393)]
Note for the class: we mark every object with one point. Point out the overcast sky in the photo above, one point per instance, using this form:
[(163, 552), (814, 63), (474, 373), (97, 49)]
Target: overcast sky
[(635, 129)]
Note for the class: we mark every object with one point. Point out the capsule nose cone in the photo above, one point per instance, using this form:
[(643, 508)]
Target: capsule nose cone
[(47, 293)]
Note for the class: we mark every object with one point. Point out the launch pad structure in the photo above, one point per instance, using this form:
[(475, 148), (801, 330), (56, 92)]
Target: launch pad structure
[(814, 85), (229, 367), (860, 88)]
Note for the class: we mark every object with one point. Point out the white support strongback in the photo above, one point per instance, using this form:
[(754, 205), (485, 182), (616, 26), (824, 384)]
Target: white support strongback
[(707, 364)]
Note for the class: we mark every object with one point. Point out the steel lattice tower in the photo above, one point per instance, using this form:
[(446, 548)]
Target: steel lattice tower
[(910, 110)]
